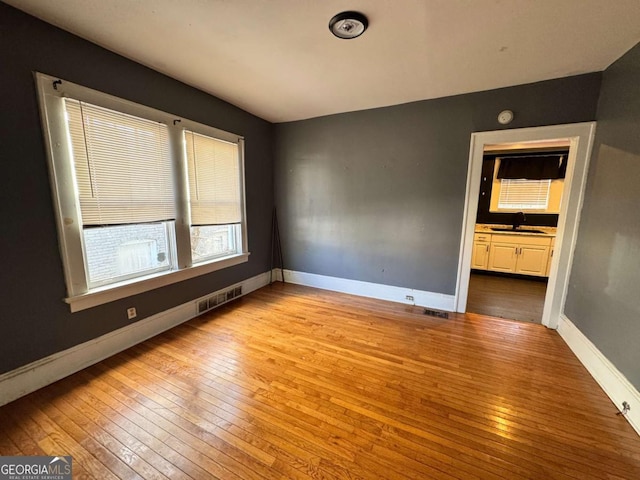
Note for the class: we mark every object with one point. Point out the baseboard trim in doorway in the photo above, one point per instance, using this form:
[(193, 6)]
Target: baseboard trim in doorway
[(38, 374), (612, 381), (438, 301)]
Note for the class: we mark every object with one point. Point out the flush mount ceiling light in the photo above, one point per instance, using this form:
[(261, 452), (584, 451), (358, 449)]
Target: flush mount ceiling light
[(505, 117), (347, 25)]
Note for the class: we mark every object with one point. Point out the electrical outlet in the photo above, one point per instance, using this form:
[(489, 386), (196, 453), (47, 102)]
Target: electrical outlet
[(131, 313), (409, 297)]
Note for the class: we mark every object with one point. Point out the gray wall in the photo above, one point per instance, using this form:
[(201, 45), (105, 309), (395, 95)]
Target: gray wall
[(603, 300), (378, 195), (34, 321)]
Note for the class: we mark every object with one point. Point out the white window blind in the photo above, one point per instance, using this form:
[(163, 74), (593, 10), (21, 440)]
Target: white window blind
[(122, 166), (214, 180), (523, 194)]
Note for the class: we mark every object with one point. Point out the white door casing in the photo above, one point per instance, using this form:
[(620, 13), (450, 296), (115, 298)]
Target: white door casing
[(580, 137)]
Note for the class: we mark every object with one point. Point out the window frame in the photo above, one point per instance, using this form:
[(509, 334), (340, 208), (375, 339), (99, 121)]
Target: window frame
[(51, 92)]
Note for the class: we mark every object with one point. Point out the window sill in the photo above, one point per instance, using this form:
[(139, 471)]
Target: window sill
[(527, 211), (102, 295)]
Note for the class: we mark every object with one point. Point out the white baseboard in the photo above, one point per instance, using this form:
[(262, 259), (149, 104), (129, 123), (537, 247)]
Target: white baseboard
[(31, 377), (612, 381), (379, 291)]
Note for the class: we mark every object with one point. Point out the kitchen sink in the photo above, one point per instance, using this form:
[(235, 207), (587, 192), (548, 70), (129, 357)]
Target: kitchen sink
[(519, 230)]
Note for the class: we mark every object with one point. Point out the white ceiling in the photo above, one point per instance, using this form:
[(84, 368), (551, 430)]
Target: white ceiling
[(278, 60)]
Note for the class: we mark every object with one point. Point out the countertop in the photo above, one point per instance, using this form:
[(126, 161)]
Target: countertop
[(486, 228)]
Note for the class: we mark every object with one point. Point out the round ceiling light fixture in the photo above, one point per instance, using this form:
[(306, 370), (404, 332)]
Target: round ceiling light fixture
[(347, 25)]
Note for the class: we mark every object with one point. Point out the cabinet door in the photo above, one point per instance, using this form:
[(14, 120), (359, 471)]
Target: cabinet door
[(532, 260), (502, 257), (480, 257), (551, 249)]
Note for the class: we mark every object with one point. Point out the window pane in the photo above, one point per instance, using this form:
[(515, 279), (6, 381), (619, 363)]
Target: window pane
[(210, 241), (521, 194), (120, 252)]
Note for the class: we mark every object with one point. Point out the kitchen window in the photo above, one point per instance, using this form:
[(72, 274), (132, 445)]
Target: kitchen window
[(522, 194), (144, 198), (532, 183)]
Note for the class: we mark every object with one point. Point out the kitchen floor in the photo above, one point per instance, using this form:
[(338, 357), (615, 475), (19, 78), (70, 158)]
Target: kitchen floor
[(506, 297)]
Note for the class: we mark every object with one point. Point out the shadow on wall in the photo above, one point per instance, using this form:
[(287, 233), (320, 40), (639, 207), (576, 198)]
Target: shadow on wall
[(617, 252)]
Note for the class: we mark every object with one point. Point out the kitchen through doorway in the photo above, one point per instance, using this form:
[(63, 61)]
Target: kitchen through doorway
[(580, 137), (519, 203)]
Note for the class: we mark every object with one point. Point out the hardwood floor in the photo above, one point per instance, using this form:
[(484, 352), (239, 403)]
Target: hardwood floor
[(510, 297), (296, 383)]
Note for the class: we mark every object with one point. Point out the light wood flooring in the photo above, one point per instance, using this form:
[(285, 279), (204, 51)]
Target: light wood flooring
[(510, 297), (296, 383)]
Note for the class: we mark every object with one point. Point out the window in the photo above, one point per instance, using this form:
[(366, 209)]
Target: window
[(124, 188), (214, 189), (144, 199), (521, 194), (539, 190)]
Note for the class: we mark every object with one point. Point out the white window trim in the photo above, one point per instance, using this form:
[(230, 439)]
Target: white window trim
[(116, 291), (67, 208)]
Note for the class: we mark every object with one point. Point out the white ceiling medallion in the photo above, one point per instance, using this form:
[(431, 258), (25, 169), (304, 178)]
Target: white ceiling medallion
[(505, 117)]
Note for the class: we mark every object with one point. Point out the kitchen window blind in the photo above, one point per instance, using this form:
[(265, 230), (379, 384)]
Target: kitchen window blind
[(518, 194), (122, 166), (214, 180)]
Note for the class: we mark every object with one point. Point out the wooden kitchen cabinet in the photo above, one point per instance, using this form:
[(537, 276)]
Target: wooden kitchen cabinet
[(480, 256), (532, 260), (503, 257), (526, 255)]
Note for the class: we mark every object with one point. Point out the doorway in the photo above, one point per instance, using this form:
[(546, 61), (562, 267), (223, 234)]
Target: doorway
[(580, 139), (521, 190)]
